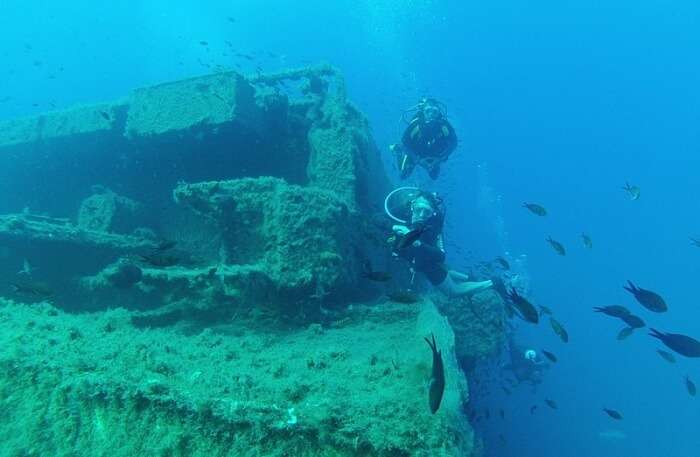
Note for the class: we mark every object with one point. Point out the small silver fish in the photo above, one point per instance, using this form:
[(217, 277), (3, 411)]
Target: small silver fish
[(633, 191), (587, 242)]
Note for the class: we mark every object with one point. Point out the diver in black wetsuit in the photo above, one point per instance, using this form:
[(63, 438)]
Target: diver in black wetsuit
[(428, 140), (427, 253), (526, 364)]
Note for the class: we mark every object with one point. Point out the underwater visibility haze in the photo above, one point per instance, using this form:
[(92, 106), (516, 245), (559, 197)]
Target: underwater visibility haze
[(387, 228)]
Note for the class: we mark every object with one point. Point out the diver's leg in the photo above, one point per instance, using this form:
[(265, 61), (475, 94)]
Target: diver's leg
[(452, 289), (434, 171)]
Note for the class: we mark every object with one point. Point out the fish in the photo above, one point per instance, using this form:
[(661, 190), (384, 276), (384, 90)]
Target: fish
[(231, 19), (404, 296), (633, 191), (633, 321), (526, 310), (501, 413), (690, 386), (204, 43), (648, 299), (667, 356), (681, 344), (436, 387), (125, 275), (105, 115), (557, 246), (32, 288), (165, 245), (559, 329), (624, 333), (378, 276), (587, 242), (160, 260), (506, 390), (503, 263), (535, 208), (5, 99), (551, 403), (549, 355), (532, 409), (612, 413), (27, 268), (695, 242), (544, 310), (410, 237), (612, 310)]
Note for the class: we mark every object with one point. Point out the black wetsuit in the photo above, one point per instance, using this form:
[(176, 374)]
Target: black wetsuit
[(426, 143), (429, 257)]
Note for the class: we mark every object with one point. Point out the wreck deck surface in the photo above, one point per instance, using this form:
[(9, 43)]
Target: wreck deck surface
[(95, 385)]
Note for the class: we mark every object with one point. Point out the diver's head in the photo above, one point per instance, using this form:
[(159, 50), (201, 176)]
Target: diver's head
[(530, 355), (422, 210), (430, 110)]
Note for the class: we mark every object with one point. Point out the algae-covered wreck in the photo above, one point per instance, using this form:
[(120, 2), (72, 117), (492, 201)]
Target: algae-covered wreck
[(201, 243)]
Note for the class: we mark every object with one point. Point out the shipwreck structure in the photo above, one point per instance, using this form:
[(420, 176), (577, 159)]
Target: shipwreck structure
[(200, 247)]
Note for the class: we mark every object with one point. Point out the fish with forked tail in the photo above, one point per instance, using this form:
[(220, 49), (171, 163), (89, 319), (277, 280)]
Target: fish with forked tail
[(437, 378), (624, 333), (587, 242), (613, 310), (632, 191), (633, 321), (682, 344), (160, 260), (647, 298), (557, 246), (667, 356), (535, 209), (373, 275), (525, 309), (690, 386), (613, 414), (559, 329), (32, 288)]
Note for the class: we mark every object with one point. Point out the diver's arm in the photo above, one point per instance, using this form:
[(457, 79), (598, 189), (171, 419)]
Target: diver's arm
[(411, 135), (429, 253), (451, 141)]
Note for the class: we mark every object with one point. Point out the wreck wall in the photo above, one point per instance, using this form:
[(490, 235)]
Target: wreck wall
[(218, 127)]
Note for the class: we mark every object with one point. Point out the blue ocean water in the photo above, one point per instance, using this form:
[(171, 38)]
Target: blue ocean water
[(558, 103)]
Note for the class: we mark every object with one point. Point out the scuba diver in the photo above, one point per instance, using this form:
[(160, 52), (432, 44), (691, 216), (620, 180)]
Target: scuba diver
[(418, 239), (527, 365), (428, 140)]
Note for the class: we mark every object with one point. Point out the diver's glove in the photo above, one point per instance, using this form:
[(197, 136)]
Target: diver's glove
[(400, 230)]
